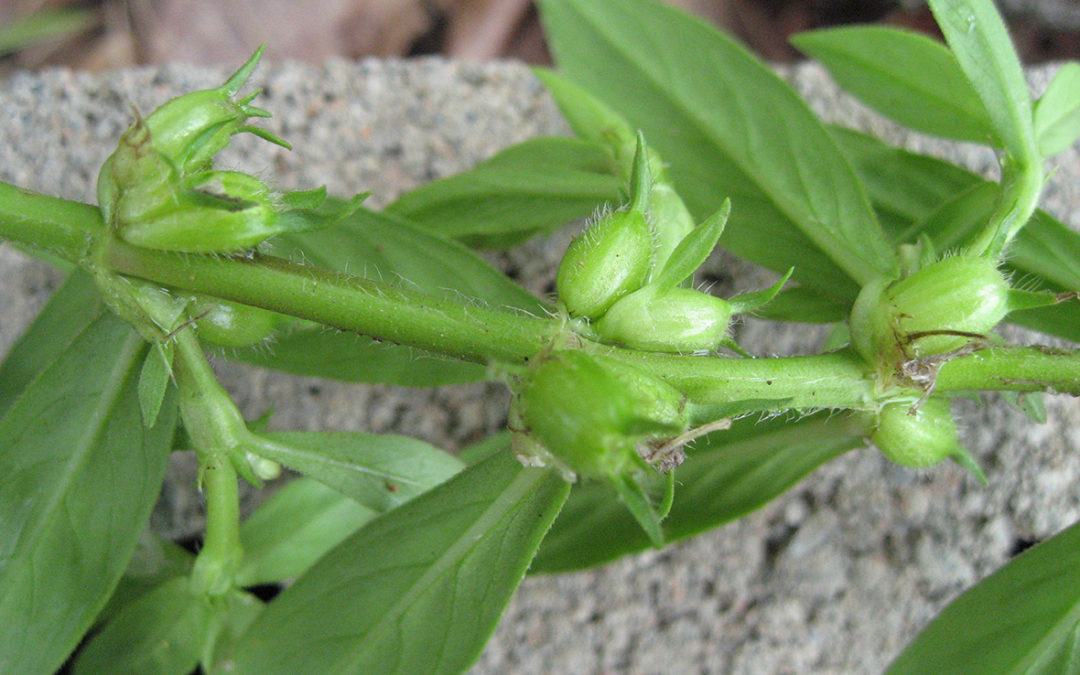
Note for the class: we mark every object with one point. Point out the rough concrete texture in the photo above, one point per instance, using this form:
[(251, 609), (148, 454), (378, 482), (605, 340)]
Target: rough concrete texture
[(834, 577)]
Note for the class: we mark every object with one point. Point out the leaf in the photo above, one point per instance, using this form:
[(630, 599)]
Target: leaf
[(591, 119), (161, 633), (323, 352), (389, 248), (980, 42), (903, 75), (293, 529), (1021, 619), (692, 251), (1057, 113), (725, 476), (74, 305), (532, 187), (380, 471), (802, 304), (417, 590), (154, 380), (636, 500), (79, 475), (901, 183), (696, 94), (155, 561)]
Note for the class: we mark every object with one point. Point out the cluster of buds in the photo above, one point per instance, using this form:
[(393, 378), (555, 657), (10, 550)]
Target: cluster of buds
[(610, 277), (159, 188)]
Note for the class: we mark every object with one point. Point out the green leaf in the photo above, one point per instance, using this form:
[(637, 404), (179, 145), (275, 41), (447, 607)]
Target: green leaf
[(1057, 113), (695, 93), (380, 471), (636, 499), (389, 248), (591, 119), (292, 530), (154, 380), (417, 590), (323, 352), (904, 186), (725, 476), (802, 304), (161, 633), (903, 75), (154, 562), (980, 42), (44, 26), (1021, 619), (74, 305), (532, 187), (79, 475), (693, 250)]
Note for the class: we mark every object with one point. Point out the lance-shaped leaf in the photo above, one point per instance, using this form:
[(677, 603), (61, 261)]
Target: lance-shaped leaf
[(903, 75), (750, 302), (79, 474), (725, 476), (1057, 113), (161, 633), (1024, 618), (380, 471), (417, 590), (980, 43), (292, 530), (71, 308), (694, 92), (532, 187)]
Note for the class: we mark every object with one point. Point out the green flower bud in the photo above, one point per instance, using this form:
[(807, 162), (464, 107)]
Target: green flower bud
[(920, 439), (607, 261), (590, 413), (209, 212), (937, 309), (230, 324), (680, 320)]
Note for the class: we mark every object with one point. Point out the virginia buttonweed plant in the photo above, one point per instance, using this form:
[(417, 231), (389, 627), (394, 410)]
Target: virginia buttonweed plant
[(632, 404)]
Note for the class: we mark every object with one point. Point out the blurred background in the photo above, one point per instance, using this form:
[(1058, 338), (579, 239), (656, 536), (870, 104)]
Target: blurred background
[(104, 34)]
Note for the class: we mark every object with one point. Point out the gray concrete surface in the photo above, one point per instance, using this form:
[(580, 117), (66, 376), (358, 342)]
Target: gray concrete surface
[(833, 577)]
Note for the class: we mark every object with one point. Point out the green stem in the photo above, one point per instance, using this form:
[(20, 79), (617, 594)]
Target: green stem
[(1021, 185), (1013, 369), (384, 312), (214, 426), (58, 226)]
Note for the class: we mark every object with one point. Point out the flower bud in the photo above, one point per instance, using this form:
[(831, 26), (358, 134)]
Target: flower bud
[(937, 309), (680, 320), (917, 439), (607, 261), (209, 212), (230, 324), (590, 413)]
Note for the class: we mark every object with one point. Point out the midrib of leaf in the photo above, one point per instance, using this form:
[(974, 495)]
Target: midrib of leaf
[(702, 125), (445, 563), (107, 400), (1067, 621)]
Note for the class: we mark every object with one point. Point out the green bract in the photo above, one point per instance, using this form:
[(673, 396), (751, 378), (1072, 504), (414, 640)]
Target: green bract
[(937, 309), (917, 437), (625, 407), (607, 261), (680, 320)]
